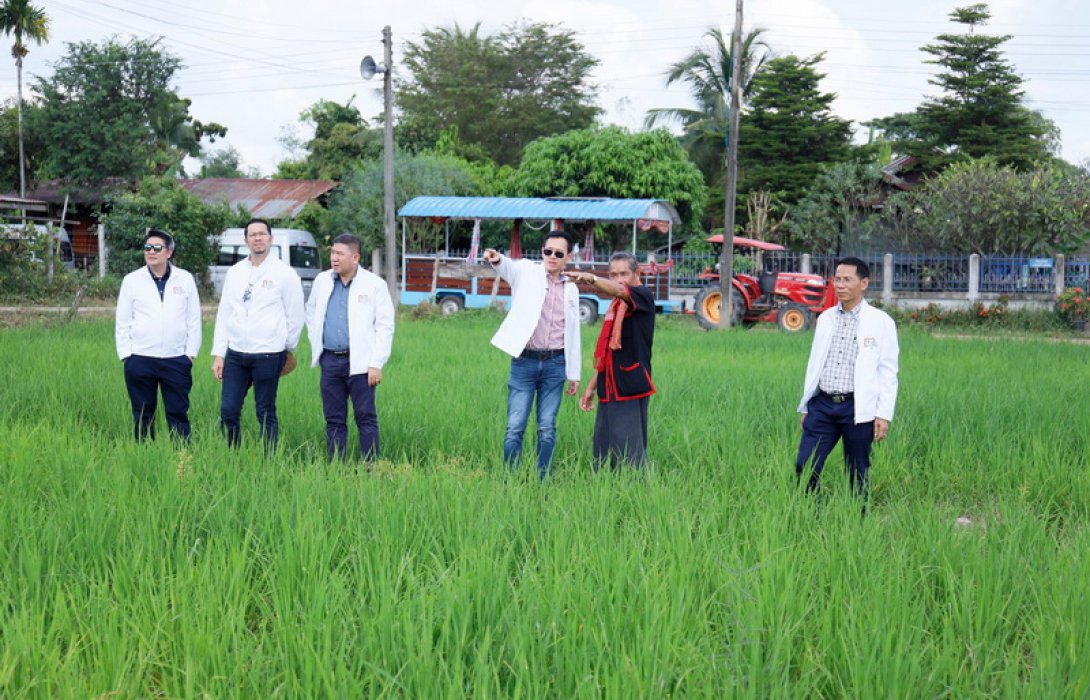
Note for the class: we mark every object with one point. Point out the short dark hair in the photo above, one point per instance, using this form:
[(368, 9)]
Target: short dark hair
[(353, 242), (561, 234), (255, 220), (161, 234), (861, 268), (633, 263)]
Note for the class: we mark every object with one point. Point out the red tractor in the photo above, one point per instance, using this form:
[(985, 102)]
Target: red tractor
[(789, 299)]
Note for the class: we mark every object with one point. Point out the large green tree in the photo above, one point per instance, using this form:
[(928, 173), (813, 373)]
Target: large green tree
[(984, 207), (612, 162), (9, 144), (501, 91), (838, 212), (357, 205), (788, 130), (707, 73), (109, 112), (980, 111), (162, 203), (341, 142), (22, 20)]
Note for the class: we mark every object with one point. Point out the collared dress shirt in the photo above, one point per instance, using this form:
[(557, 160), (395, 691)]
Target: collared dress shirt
[(838, 375), (549, 334), (335, 328)]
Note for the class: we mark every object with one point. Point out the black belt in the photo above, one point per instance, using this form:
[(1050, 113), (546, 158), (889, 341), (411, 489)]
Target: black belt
[(837, 398), (529, 354), (338, 353)]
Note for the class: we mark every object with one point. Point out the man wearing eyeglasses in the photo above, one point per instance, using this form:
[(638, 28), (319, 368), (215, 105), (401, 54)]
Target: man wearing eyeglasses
[(158, 333), (257, 330), (850, 388), (541, 334)]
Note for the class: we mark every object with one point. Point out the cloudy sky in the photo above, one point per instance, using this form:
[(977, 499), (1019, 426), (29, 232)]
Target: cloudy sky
[(254, 65)]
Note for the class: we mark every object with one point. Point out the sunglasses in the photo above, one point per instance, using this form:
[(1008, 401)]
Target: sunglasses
[(553, 252), (158, 248)]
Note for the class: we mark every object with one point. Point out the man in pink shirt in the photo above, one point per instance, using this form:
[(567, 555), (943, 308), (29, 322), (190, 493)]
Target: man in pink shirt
[(541, 334)]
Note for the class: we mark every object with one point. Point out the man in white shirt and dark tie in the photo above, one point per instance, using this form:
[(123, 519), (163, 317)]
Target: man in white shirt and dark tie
[(257, 330)]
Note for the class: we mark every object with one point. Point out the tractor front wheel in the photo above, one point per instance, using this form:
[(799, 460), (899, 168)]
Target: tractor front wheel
[(708, 302), (793, 317)]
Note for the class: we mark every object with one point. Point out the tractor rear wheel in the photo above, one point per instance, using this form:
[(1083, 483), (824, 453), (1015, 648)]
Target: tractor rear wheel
[(793, 317), (708, 302)]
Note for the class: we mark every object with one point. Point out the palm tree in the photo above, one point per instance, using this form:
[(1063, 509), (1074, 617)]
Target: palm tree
[(708, 75), (20, 19)]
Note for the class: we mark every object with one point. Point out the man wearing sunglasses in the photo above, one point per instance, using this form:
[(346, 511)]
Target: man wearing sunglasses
[(158, 333), (258, 324), (541, 334)]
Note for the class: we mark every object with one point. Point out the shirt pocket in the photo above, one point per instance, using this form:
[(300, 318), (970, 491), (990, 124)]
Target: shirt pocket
[(632, 380)]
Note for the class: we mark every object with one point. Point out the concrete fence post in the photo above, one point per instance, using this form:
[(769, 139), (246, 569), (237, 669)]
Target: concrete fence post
[(887, 278), (1061, 272), (804, 264), (376, 261), (974, 277)]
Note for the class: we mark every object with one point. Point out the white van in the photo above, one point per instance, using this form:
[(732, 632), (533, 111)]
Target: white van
[(26, 236), (294, 246)]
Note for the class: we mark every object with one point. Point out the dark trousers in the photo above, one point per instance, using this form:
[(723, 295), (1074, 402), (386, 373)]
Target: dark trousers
[(241, 370), (145, 377), (620, 433), (337, 387), (826, 423)]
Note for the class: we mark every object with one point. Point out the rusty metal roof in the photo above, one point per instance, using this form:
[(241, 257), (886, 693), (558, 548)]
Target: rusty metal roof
[(271, 199)]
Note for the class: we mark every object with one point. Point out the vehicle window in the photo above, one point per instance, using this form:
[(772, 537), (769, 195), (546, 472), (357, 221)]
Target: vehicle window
[(305, 256), (228, 255)]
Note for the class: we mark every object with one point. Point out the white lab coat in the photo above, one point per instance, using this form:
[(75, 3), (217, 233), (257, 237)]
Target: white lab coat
[(153, 327), (271, 320), (370, 319), (528, 289), (875, 366)]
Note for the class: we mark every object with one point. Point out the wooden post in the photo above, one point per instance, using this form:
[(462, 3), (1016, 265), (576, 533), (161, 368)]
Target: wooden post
[(434, 277), (726, 258), (101, 251)]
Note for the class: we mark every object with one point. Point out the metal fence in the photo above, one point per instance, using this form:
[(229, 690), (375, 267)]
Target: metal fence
[(911, 273)]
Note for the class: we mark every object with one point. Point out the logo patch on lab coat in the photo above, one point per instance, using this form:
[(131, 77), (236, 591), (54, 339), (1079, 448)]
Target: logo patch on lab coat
[(870, 342), (361, 299), (178, 290)]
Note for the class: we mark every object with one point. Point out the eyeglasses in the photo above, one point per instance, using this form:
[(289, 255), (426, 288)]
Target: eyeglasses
[(553, 252), (158, 248)]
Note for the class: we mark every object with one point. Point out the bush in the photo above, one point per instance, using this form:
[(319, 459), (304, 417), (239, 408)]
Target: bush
[(997, 316), (162, 203)]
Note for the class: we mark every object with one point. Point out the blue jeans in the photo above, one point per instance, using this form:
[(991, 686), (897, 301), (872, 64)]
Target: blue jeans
[(337, 387), (241, 370), (529, 377)]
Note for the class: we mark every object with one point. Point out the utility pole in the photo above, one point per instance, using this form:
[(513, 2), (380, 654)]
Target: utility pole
[(726, 258), (388, 164)]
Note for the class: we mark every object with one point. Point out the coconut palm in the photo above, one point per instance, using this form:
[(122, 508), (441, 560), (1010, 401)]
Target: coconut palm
[(20, 19), (708, 74)]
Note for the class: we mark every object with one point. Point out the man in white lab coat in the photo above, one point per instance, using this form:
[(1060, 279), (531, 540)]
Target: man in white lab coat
[(851, 380), (350, 322), (158, 333)]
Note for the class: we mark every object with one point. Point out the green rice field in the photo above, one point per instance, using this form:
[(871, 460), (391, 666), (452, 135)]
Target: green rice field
[(167, 571)]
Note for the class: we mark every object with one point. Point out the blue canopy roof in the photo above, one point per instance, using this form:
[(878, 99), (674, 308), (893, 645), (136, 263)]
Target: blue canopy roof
[(568, 209)]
